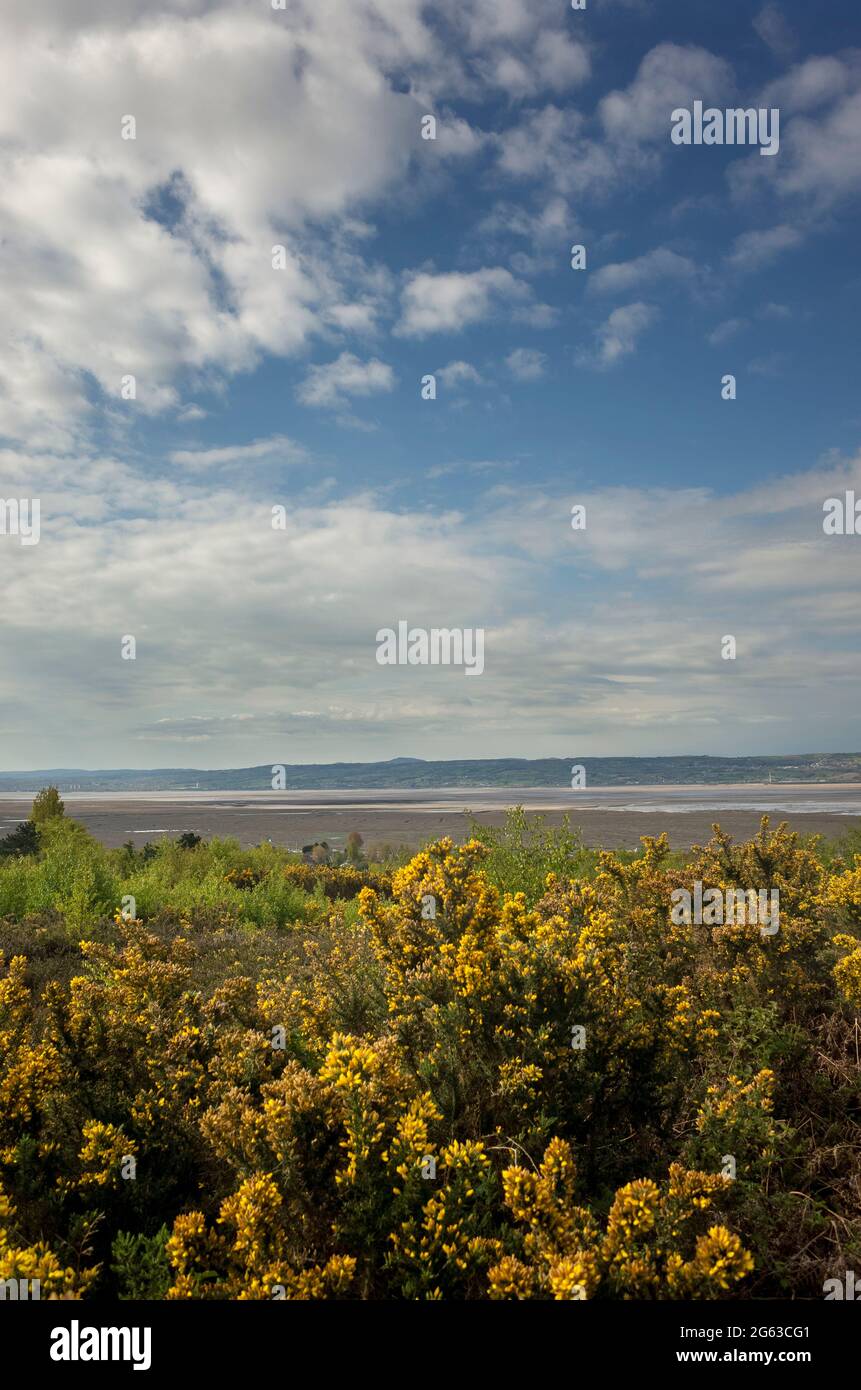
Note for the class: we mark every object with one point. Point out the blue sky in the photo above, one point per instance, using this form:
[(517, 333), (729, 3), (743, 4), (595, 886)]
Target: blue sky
[(300, 386)]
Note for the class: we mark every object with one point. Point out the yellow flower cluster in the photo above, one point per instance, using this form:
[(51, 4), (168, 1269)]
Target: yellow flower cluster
[(36, 1262), (565, 1255), (390, 1104), (847, 971)]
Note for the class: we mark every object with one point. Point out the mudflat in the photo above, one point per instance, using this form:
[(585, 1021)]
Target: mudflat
[(607, 817)]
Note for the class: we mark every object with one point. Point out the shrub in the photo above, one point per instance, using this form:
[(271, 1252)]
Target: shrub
[(436, 1088)]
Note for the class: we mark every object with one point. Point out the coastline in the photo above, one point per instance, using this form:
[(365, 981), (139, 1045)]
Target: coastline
[(609, 817)]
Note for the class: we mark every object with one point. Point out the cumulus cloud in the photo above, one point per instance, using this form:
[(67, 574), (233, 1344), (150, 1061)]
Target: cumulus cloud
[(153, 256), (555, 63), (617, 337), (332, 383), (546, 224), (452, 300), (814, 83), (459, 374), (551, 145), (572, 153), (670, 75), (820, 139)]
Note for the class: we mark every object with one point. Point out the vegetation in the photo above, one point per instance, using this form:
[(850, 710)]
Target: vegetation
[(499, 1071), (47, 806), (24, 840)]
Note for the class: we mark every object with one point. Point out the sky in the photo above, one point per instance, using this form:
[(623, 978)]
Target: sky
[(292, 379)]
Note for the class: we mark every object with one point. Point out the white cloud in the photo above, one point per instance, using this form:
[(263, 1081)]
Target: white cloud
[(458, 374), (824, 155), (815, 82), (457, 139), (820, 138), (527, 364), (726, 330), (551, 145), (616, 338), (330, 383), (549, 223), (450, 301), (497, 21), (670, 75), (212, 593), (277, 446), (660, 264), (258, 128), (555, 63), (756, 249), (771, 26), (561, 63), (572, 154), (153, 256)]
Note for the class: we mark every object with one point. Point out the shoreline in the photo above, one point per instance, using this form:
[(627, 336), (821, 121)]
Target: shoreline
[(513, 795), (607, 817)]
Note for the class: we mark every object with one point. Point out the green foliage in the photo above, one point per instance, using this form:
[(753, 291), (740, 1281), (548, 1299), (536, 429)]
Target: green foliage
[(140, 1266), (525, 850), (47, 806), (841, 851), (24, 840), (77, 877)]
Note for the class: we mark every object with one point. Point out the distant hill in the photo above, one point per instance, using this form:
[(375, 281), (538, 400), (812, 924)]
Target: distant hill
[(406, 773)]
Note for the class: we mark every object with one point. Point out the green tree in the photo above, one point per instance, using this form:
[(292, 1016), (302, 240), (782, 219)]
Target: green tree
[(24, 839), (47, 806)]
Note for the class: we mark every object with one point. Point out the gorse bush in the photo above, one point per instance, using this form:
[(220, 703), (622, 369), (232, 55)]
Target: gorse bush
[(344, 882), (438, 1088)]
